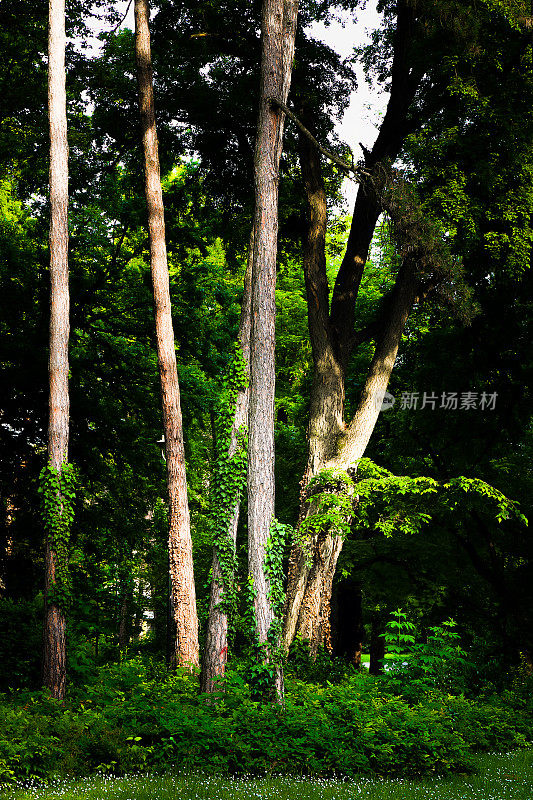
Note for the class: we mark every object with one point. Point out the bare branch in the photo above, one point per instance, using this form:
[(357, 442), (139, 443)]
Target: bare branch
[(117, 26), (354, 173)]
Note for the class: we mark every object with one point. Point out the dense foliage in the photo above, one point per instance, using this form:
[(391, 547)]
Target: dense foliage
[(135, 716), (434, 518)]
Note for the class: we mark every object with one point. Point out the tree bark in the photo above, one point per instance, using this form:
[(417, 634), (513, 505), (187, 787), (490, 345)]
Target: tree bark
[(216, 645), (278, 34), (332, 332), (316, 598), (54, 656), (182, 590), (124, 620)]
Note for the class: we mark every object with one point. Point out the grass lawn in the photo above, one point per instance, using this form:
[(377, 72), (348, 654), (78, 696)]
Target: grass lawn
[(500, 777)]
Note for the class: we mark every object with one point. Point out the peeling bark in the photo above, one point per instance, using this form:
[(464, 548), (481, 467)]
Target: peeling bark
[(54, 655), (182, 590), (278, 33)]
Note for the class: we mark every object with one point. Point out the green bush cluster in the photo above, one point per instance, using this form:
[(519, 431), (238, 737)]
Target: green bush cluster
[(136, 717)]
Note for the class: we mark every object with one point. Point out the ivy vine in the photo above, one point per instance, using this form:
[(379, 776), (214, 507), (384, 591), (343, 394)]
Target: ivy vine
[(331, 494), (58, 492), (278, 537), (268, 656), (228, 480)]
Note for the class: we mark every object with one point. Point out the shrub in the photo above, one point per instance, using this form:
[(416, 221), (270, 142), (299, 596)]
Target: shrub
[(438, 663), (322, 669), (137, 717)]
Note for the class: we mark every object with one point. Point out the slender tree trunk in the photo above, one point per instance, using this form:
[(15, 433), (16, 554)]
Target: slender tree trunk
[(278, 34), (54, 661), (124, 621), (182, 591), (216, 645)]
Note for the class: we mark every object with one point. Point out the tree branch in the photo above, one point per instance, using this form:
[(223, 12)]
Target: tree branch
[(117, 26), (356, 172)]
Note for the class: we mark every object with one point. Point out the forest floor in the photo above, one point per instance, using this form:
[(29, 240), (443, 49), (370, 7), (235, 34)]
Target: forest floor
[(506, 776)]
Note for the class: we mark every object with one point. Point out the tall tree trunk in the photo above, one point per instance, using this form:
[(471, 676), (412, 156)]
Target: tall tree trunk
[(54, 660), (333, 339), (124, 619), (216, 644), (182, 590), (278, 34)]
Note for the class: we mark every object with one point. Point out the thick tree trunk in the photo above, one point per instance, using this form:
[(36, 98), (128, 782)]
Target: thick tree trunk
[(182, 591), (54, 660), (216, 644), (333, 338), (312, 584), (278, 34)]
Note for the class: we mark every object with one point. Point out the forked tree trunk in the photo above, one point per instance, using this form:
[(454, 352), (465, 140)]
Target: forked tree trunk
[(326, 410), (182, 589), (216, 643), (310, 619), (333, 339), (278, 34), (54, 656)]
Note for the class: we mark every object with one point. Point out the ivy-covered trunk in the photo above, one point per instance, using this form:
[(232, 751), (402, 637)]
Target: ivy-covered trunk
[(184, 618), (229, 479), (56, 506), (278, 29)]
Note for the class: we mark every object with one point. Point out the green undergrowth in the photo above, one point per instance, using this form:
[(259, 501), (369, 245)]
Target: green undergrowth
[(507, 776), (136, 717)]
